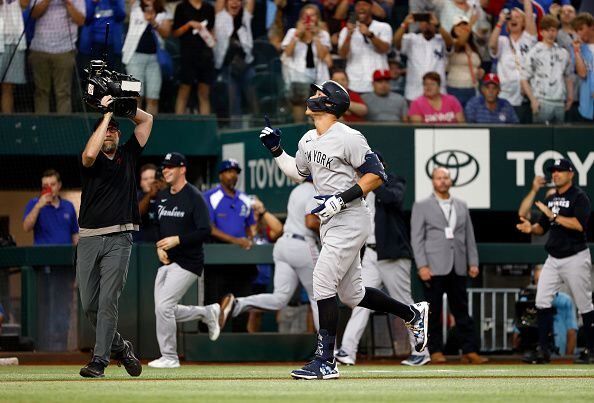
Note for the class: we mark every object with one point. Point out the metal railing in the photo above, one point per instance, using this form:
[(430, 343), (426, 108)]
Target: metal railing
[(493, 309)]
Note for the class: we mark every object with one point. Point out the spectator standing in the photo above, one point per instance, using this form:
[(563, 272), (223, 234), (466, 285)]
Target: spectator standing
[(583, 53), (91, 46), (384, 105), (233, 51), (150, 185), (488, 108), (52, 52), (548, 85), (183, 226), (387, 261), (365, 45), (357, 108), (150, 25), (464, 65), (433, 106), (451, 11), (232, 221), (442, 239), (305, 49), (334, 14), (511, 52), (193, 24), (12, 52), (425, 52)]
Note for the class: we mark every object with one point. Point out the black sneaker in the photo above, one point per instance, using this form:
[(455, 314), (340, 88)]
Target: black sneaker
[(93, 369), (537, 357), (127, 358), (585, 357)]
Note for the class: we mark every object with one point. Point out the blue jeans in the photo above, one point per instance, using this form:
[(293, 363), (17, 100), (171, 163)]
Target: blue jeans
[(238, 89), (549, 112), (462, 94)]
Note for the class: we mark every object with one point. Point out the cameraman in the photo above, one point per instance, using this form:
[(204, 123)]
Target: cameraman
[(108, 215)]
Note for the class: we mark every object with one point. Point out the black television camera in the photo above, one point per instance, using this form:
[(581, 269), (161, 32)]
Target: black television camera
[(100, 82)]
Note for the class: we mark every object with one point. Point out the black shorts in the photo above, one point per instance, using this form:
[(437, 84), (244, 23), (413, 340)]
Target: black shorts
[(197, 68)]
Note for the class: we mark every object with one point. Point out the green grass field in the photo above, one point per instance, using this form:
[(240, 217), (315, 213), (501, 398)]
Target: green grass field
[(505, 383)]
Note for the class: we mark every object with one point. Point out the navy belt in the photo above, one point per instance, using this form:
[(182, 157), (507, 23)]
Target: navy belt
[(296, 236), (371, 246)]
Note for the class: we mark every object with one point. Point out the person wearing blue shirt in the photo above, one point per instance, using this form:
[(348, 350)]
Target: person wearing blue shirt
[(53, 222), (583, 56), (51, 218), (488, 107), (232, 221), (92, 34)]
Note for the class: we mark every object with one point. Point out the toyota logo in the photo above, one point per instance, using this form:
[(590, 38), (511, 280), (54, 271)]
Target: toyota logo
[(463, 167)]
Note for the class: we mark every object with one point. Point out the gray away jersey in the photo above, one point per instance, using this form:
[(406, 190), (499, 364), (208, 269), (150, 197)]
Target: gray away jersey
[(301, 202), (332, 158)]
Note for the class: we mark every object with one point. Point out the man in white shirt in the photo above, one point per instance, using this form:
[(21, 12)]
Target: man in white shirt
[(511, 53), (426, 51), (53, 50), (546, 76), (365, 45)]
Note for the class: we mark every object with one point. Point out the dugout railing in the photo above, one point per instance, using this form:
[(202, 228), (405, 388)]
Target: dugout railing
[(137, 312)]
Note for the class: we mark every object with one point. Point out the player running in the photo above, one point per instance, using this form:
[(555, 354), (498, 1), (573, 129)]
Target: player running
[(344, 170)]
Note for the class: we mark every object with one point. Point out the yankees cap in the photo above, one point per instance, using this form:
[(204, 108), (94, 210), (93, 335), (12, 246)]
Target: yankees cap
[(174, 160), (561, 165)]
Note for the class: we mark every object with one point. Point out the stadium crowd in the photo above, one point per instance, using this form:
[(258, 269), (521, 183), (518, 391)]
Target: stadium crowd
[(430, 61)]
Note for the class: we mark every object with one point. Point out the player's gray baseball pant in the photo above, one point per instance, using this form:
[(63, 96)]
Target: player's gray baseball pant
[(171, 283), (101, 271), (338, 270), (573, 271), (395, 276), (294, 260)]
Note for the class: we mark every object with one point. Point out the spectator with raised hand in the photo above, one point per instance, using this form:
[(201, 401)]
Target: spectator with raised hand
[(548, 84), (488, 108), (384, 105), (91, 46), (583, 54), (305, 51), (464, 65), (357, 108), (511, 52), (12, 52), (233, 51), (193, 24), (364, 44), (426, 51), (334, 15), (52, 52), (150, 24), (433, 106), (450, 11)]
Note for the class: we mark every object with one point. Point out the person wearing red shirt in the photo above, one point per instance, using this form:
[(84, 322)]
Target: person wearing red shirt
[(433, 106)]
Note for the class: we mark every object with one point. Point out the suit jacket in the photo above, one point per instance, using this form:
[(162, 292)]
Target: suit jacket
[(430, 246), (391, 234)]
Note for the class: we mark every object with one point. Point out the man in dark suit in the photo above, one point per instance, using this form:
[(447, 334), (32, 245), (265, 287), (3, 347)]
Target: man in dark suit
[(442, 238)]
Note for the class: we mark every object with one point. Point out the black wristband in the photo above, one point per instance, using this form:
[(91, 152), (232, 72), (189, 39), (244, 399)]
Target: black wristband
[(276, 152), (351, 194)]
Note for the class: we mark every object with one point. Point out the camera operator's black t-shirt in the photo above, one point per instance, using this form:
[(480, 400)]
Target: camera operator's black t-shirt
[(109, 188), (184, 214), (564, 242), (192, 44)]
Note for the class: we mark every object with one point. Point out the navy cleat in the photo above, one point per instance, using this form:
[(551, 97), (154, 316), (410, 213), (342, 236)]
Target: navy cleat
[(419, 324), (317, 369)]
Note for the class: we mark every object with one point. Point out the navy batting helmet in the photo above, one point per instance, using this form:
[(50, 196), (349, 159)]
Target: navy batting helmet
[(335, 100), (229, 164)]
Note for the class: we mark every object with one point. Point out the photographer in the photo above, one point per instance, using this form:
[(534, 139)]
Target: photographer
[(149, 25), (108, 215)]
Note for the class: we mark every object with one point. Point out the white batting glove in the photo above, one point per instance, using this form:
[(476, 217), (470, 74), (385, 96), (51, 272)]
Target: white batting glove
[(328, 206)]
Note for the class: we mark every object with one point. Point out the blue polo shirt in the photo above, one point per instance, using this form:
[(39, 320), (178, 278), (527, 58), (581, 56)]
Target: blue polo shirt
[(476, 111), (586, 104), (232, 215), (55, 225)]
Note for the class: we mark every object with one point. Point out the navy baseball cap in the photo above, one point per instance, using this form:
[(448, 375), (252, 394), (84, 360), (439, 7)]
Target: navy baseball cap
[(561, 165), (174, 160), (229, 164)]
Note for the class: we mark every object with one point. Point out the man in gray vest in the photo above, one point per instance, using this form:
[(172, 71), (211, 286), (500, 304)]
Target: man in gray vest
[(442, 239)]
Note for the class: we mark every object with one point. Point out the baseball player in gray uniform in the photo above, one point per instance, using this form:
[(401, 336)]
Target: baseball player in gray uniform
[(344, 170), (295, 255)]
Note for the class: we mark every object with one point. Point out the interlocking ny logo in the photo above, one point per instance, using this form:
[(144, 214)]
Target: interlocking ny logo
[(463, 167)]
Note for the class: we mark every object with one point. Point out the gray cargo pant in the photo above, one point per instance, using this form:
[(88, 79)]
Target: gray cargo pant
[(101, 270)]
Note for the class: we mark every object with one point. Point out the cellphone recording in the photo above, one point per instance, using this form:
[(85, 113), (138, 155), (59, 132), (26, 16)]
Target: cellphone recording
[(352, 18), (421, 17)]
